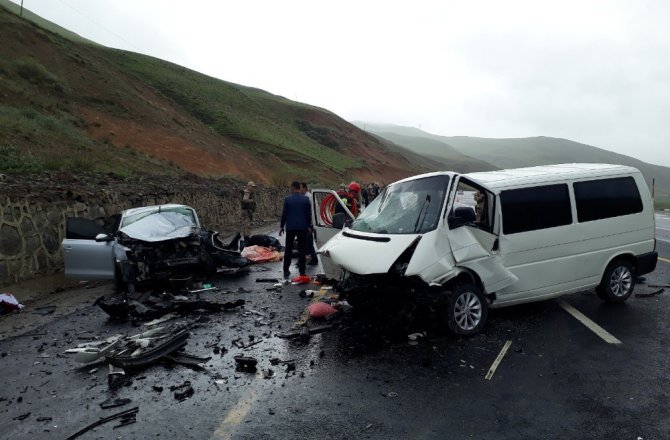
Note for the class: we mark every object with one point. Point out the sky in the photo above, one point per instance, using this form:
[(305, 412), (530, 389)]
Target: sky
[(596, 72)]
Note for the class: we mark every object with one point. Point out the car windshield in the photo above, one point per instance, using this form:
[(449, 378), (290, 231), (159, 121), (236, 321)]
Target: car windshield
[(183, 210), (411, 207)]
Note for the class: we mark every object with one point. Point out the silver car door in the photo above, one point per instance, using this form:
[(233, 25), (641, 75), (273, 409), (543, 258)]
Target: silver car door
[(83, 256), (474, 243), (323, 204)]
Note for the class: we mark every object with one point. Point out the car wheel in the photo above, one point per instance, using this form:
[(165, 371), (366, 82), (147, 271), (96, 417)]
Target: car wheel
[(467, 309), (618, 282)]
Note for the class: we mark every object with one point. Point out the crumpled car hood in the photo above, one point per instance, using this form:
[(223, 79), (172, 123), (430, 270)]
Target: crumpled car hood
[(160, 226)]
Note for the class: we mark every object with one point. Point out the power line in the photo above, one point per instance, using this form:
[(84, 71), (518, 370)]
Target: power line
[(99, 25)]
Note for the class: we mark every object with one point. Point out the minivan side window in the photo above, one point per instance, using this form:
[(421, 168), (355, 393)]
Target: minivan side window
[(606, 198), (539, 207)]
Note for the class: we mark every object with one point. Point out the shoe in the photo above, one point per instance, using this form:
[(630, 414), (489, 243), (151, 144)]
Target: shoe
[(313, 262), (287, 273)]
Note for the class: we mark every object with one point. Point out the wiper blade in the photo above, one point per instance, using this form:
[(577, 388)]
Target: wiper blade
[(426, 203)]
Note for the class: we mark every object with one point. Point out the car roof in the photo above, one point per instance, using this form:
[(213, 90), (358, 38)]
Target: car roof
[(496, 180), (152, 208)]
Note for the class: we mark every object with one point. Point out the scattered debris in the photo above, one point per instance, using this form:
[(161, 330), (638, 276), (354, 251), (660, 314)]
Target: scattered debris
[(246, 363), (22, 417), (114, 403), (267, 374), (44, 419), (157, 305), (307, 293), (301, 279), (183, 391), (267, 280), (305, 331), (116, 378), (392, 395), (648, 295), (167, 317), (656, 286), (157, 388), (127, 417)]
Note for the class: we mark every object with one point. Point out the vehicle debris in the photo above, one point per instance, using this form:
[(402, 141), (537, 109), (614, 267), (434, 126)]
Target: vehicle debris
[(127, 417), (183, 391), (246, 363), (114, 403), (22, 417), (305, 331), (648, 295), (155, 305)]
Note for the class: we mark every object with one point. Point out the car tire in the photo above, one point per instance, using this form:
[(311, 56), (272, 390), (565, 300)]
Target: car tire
[(618, 282), (467, 309)]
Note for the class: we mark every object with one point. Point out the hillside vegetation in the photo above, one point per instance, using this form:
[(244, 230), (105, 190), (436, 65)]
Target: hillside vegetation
[(69, 104), (514, 153)]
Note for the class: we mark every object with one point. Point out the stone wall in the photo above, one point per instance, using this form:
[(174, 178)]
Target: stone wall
[(33, 213)]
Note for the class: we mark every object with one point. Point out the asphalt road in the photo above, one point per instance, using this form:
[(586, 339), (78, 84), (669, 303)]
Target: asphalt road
[(559, 379)]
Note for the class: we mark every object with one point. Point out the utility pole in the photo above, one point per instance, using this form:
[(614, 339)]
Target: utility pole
[(21, 12)]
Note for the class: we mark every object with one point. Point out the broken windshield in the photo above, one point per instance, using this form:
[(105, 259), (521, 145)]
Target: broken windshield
[(411, 207)]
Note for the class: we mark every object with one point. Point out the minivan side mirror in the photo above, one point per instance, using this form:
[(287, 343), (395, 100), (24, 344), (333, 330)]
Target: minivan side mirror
[(339, 220), (460, 216)]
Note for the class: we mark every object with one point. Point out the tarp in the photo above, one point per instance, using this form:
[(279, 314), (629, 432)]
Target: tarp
[(160, 226), (261, 254)]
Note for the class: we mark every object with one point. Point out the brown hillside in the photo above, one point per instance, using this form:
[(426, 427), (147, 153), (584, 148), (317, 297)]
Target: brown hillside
[(76, 106)]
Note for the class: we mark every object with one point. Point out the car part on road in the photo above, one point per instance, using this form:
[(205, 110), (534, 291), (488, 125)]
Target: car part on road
[(246, 363), (618, 282), (649, 295), (142, 352), (156, 305), (183, 391), (127, 417)]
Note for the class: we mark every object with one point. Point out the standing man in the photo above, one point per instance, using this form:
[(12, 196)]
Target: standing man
[(248, 209), (296, 218), (311, 251)]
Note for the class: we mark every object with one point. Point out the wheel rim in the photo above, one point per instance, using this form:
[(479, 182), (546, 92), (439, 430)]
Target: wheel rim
[(468, 311), (621, 281)]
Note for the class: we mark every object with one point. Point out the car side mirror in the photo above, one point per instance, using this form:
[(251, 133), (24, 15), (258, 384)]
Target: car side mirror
[(100, 238), (461, 216), (339, 220)]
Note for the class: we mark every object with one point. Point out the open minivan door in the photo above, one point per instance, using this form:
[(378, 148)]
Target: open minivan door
[(88, 250), (330, 217), (473, 229)]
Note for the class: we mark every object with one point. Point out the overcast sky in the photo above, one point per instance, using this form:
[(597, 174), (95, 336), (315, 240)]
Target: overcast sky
[(596, 72)]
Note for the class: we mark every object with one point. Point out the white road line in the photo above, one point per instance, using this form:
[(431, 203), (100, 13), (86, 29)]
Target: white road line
[(595, 328), (500, 357), (663, 240), (664, 260)]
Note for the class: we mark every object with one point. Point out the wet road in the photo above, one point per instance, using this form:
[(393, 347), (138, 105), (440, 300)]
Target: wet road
[(558, 379)]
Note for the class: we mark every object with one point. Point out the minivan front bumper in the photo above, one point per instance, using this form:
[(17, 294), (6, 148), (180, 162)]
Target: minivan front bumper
[(646, 263)]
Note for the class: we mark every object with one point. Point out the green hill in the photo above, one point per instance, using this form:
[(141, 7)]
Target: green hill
[(68, 104)]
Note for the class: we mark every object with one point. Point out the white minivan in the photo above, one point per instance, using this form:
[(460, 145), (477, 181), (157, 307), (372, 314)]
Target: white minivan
[(497, 238)]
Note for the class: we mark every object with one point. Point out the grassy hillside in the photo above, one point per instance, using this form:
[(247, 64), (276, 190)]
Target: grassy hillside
[(513, 153), (71, 105)]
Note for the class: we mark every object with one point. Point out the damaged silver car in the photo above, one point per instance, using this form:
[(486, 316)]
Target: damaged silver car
[(151, 243)]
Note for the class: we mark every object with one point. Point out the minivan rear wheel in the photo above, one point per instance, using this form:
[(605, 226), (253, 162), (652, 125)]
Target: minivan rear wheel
[(467, 309), (618, 282)]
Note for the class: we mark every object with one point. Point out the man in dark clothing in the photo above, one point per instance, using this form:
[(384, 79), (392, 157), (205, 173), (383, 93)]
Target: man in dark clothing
[(297, 219), (311, 251)]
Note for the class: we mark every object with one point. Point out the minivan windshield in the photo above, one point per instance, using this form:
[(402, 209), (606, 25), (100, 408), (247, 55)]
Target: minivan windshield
[(411, 207)]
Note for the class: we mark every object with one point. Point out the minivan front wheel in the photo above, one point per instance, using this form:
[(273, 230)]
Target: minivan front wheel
[(618, 282), (467, 309)]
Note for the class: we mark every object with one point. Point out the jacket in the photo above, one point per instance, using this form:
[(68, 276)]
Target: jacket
[(296, 214)]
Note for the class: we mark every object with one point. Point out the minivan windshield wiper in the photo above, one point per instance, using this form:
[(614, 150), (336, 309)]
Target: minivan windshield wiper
[(426, 203)]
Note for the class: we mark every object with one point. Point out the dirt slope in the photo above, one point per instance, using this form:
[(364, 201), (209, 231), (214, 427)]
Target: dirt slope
[(69, 105)]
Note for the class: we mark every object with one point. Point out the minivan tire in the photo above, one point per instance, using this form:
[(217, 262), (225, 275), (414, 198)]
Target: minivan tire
[(618, 282), (467, 309)]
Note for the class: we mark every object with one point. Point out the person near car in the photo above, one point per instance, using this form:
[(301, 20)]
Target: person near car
[(296, 221), (311, 251), (248, 209), (350, 198)]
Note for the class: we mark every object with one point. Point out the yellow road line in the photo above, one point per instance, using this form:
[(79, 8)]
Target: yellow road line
[(664, 259), (235, 416), (500, 357), (595, 328)]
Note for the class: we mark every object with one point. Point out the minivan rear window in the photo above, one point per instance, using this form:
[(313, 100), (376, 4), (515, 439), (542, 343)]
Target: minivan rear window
[(539, 207), (606, 198)]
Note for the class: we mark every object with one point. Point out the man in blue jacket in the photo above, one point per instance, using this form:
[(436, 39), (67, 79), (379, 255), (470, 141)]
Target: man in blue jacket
[(297, 219)]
